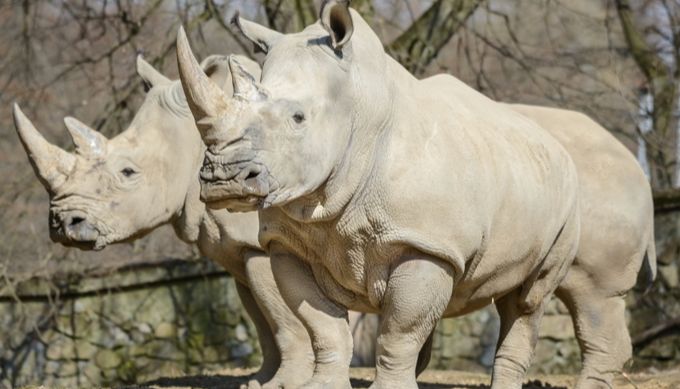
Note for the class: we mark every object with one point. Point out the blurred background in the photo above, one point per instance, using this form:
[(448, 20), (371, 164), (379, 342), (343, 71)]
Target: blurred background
[(136, 312)]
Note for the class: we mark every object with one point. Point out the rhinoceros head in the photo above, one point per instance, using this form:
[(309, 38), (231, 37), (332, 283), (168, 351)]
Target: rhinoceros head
[(282, 138), (112, 190)]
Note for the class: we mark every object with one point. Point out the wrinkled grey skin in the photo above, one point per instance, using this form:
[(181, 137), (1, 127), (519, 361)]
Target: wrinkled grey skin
[(381, 193), (116, 190)]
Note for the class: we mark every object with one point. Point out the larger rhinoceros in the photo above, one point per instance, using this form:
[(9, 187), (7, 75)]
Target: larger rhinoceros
[(381, 193), (117, 190), (616, 236)]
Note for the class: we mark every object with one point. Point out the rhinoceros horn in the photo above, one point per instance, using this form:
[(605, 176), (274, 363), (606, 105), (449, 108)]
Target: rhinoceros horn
[(205, 98), (150, 75), (262, 37), (337, 20), (244, 83), (50, 163), (89, 143)]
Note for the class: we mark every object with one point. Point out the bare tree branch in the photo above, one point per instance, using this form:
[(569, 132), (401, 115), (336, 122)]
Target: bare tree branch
[(423, 40)]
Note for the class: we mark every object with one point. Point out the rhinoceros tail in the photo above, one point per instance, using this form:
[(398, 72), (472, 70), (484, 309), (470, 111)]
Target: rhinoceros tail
[(647, 272)]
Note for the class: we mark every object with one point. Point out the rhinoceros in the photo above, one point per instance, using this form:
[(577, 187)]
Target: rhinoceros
[(617, 233), (117, 190), (381, 193)]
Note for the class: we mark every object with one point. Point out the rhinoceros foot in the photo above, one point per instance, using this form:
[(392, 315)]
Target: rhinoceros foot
[(327, 383), (293, 373), (278, 382), (265, 374)]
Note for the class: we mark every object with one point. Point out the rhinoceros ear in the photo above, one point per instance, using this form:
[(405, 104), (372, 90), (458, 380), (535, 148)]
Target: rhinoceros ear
[(337, 20), (262, 37), (149, 74), (89, 143), (245, 85), (217, 68), (50, 163)]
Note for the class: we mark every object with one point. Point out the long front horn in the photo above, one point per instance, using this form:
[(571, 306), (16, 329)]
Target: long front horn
[(89, 143), (50, 163), (205, 98)]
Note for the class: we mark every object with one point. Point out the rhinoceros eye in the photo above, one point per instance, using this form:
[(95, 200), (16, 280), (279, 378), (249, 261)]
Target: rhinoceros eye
[(299, 117), (128, 172)]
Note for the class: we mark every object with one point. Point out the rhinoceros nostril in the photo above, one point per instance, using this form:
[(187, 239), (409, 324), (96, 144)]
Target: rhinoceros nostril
[(252, 175), (76, 220)]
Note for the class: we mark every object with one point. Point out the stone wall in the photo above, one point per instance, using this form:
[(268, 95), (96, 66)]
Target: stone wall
[(145, 322), (469, 342), (127, 327)]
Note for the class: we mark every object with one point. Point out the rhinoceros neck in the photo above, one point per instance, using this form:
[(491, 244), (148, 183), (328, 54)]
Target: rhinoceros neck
[(188, 219), (190, 214)]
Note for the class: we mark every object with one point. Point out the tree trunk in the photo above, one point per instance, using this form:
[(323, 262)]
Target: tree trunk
[(662, 84)]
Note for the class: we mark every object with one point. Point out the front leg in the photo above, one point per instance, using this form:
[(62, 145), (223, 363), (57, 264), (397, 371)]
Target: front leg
[(325, 321), (271, 358), (418, 291), (294, 357)]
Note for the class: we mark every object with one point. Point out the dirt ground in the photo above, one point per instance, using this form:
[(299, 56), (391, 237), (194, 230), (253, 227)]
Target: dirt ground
[(431, 379)]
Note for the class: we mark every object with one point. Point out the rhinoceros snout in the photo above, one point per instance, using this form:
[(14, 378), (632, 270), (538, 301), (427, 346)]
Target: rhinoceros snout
[(74, 229), (236, 186)]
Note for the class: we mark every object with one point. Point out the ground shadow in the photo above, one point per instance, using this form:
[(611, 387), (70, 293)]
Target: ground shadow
[(226, 381), (534, 384), (198, 381)]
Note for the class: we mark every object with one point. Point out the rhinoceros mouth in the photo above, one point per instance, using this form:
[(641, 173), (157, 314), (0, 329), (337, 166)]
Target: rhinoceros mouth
[(240, 186), (85, 245)]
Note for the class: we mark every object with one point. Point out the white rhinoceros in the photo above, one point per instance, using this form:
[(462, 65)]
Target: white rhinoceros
[(381, 193), (616, 235), (117, 190), (616, 248)]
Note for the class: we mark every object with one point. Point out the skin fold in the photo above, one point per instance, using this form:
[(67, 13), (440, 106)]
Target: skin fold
[(418, 200)]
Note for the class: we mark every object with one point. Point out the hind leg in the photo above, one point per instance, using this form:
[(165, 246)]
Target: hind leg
[(522, 309), (600, 326), (518, 337)]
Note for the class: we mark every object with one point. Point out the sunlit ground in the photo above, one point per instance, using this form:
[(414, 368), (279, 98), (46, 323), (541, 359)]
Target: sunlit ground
[(431, 379)]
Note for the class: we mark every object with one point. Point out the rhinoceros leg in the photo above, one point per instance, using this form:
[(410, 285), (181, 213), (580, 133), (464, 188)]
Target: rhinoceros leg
[(425, 355), (418, 291), (270, 352), (600, 326), (516, 343), (295, 359), (326, 322)]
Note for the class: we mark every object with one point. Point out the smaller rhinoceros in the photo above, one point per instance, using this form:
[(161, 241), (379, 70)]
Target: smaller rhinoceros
[(117, 190), (381, 193)]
